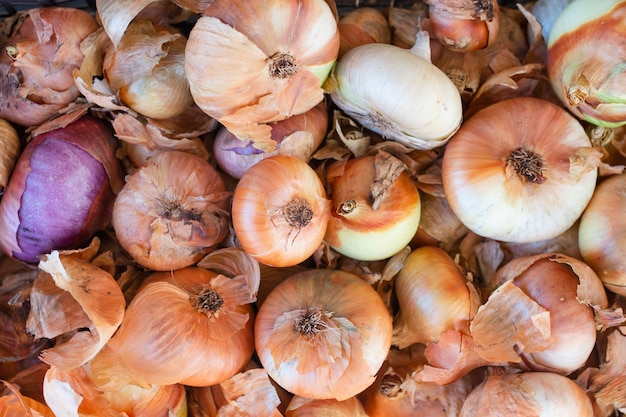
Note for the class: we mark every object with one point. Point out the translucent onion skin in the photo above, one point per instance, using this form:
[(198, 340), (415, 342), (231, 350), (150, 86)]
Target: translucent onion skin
[(397, 93), (517, 171), (361, 228), (585, 60), (62, 190), (171, 212), (250, 63), (601, 233), (323, 334), (170, 335), (280, 211), (540, 394)]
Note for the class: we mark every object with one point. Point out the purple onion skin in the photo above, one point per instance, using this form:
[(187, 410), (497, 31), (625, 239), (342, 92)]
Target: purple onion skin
[(61, 191)]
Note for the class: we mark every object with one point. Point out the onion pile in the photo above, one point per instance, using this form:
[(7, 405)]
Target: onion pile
[(297, 208)]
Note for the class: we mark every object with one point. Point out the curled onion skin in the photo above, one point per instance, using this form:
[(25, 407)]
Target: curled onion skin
[(62, 190), (323, 334), (172, 211), (280, 211), (520, 170)]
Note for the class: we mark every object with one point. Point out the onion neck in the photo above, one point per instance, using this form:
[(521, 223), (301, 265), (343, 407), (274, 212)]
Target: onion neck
[(526, 165), (207, 301), (282, 65), (310, 323), (298, 213)]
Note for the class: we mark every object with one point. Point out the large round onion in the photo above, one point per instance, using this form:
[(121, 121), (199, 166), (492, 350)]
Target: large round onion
[(61, 191), (252, 63)]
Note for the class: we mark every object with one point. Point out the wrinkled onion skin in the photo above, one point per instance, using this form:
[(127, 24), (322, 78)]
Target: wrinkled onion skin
[(60, 192)]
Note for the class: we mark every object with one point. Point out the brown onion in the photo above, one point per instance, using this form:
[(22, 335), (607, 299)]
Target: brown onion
[(172, 211)]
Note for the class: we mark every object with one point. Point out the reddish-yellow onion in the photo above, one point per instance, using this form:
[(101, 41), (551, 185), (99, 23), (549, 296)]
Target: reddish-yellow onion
[(520, 170), (191, 326), (280, 211), (375, 207), (323, 334)]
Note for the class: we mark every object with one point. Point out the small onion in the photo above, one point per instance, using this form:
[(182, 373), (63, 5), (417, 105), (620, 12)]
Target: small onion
[(585, 60), (399, 94), (37, 62), (520, 170), (172, 211), (298, 136), (62, 190), (541, 394), (375, 207), (280, 211), (146, 70), (323, 334), (362, 25), (253, 63)]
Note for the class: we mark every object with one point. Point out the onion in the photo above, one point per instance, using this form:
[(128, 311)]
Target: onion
[(398, 93), (39, 56), (253, 63), (280, 211), (362, 25), (146, 70), (62, 190), (375, 207), (191, 326), (585, 63), (520, 170), (323, 334), (601, 233), (541, 394), (172, 211), (298, 136)]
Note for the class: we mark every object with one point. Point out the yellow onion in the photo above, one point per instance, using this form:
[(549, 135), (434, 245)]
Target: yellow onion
[(37, 62), (307, 407), (362, 25), (146, 70), (375, 209), (466, 25), (541, 315), (433, 297), (520, 170), (601, 233), (191, 326), (10, 148), (73, 393), (250, 63), (323, 334), (542, 394), (172, 211), (398, 93), (585, 60)]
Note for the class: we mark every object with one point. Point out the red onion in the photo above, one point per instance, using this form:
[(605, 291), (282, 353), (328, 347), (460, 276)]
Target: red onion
[(297, 136), (61, 191)]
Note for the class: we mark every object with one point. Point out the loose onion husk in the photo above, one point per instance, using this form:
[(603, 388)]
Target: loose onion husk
[(323, 334)]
